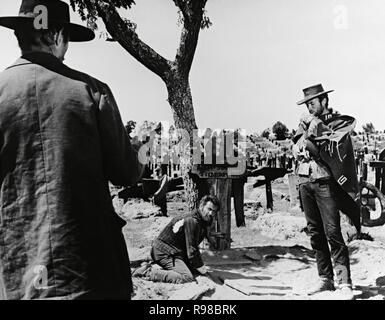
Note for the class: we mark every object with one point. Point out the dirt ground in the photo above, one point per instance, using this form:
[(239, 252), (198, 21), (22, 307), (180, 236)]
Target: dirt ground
[(270, 258)]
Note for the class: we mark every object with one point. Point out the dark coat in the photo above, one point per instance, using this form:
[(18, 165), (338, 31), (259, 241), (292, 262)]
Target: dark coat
[(181, 238), (61, 141)]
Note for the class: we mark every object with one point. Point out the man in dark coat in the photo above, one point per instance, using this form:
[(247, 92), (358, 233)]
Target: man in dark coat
[(329, 184), (61, 141), (176, 249), (160, 196)]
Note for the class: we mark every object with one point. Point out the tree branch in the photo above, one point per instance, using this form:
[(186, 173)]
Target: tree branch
[(193, 13), (182, 5), (130, 41)]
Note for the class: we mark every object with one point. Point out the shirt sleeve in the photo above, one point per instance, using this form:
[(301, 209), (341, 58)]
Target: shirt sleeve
[(163, 188), (121, 163), (192, 230)]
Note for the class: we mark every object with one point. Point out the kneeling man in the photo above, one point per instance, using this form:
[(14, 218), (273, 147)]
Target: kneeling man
[(176, 249)]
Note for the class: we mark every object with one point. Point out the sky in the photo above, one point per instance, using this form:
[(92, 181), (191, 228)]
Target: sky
[(250, 66)]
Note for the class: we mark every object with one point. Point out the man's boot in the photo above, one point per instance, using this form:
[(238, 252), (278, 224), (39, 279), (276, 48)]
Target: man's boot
[(344, 292)]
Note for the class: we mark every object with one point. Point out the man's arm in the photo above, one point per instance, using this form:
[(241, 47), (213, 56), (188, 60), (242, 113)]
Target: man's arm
[(121, 163), (191, 231), (162, 191)]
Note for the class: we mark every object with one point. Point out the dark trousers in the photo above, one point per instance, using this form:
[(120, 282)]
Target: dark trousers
[(162, 203), (323, 222), (175, 270)]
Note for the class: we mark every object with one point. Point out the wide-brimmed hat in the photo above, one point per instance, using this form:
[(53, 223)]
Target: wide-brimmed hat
[(313, 92), (58, 13)]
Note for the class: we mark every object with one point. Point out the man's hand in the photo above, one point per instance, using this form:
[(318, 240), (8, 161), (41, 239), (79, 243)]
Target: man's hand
[(299, 149), (296, 151), (305, 120), (202, 270), (312, 148), (313, 127)]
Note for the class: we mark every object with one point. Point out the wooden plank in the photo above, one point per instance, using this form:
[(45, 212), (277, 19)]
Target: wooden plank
[(269, 173), (228, 262), (378, 172), (222, 189), (238, 196), (228, 275), (269, 195), (258, 287), (377, 164), (259, 183), (253, 256), (293, 189)]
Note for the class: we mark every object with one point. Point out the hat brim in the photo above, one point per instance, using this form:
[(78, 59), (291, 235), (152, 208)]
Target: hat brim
[(77, 33), (308, 98)]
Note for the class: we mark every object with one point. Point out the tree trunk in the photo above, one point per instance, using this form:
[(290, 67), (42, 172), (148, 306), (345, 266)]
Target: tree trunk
[(180, 100), (173, 73)]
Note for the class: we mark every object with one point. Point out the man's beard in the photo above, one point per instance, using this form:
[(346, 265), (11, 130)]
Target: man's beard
[(209, 221)]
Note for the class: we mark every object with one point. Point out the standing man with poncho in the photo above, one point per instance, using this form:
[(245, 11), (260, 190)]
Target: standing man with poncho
[(328, 184)]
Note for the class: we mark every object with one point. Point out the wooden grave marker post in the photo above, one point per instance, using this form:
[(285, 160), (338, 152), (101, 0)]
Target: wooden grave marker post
[(219, 181), (219, 175)]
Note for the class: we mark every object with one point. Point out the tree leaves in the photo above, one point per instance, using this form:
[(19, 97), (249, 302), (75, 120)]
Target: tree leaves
[(88, 10), (368, 128), (280, 130), (206, 22)]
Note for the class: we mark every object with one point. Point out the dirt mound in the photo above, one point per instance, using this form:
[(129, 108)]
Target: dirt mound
[(281, 198), (253, 210), (139, 209), (148, 290), (365, 259), (145, 290), (281, 225), (176, 196)]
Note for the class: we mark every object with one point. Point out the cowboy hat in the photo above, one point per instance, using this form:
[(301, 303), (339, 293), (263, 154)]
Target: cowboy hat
[(57, 13), (313, 92)]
